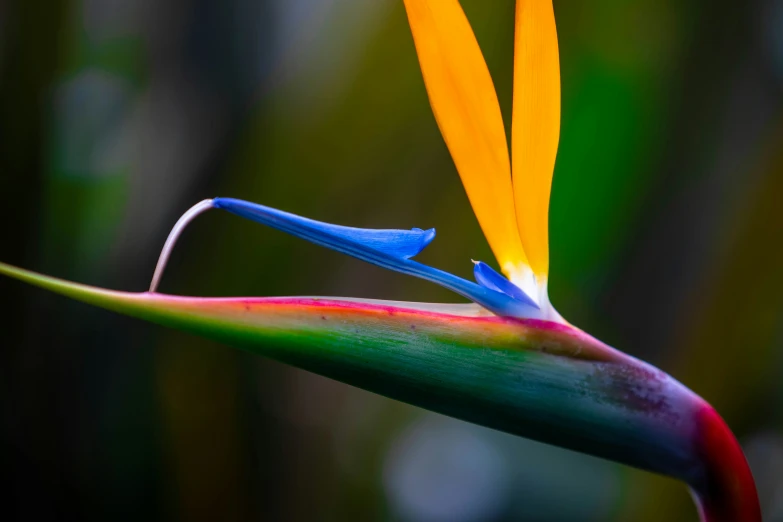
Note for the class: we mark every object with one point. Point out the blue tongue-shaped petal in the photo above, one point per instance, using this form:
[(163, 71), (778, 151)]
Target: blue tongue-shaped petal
[(397, 243), (391, 249)]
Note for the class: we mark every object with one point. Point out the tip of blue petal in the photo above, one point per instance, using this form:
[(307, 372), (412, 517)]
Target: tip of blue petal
[(425, 239)]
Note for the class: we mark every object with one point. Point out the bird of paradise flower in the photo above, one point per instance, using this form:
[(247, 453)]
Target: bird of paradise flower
[(509, 360)]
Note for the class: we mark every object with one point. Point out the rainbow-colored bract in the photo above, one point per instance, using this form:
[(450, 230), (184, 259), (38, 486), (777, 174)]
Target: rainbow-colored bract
[(538, 379)]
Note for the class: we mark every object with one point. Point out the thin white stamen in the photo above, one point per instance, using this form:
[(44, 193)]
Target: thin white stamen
[(184, 221)]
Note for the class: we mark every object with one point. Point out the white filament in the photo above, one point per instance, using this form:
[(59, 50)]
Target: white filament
[(184, 221)]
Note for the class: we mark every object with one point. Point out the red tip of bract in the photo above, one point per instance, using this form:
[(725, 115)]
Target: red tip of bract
[(726, 492)]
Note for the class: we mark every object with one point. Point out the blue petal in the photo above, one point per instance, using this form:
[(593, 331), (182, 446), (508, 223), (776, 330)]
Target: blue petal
[(391, 249), (397, 243), (487, 277)]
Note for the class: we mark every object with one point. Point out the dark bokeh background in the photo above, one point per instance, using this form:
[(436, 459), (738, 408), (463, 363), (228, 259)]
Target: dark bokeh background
[(117, 115)]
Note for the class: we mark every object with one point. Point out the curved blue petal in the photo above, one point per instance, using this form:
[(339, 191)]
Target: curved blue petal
[(487, 277), (397, 243), (391, 249)]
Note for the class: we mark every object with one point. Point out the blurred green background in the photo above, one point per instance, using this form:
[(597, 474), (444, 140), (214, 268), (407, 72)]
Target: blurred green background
[(117, 115)]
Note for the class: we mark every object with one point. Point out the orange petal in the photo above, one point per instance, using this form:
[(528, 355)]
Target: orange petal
[(535, 127), (466, 108)]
